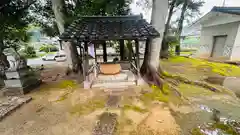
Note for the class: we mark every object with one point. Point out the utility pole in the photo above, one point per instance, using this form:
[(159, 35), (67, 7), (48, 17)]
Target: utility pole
[(224, 2)]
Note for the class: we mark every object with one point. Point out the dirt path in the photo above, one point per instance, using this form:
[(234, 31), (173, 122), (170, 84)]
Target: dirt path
[(60, 107), (71, 111), (43, 116)]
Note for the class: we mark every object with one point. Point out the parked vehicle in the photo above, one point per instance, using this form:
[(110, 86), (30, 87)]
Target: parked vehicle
[(61, 58), (49, 57)]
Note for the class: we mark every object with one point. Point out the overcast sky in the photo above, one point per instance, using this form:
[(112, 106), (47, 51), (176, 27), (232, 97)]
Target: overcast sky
[(209, 4)]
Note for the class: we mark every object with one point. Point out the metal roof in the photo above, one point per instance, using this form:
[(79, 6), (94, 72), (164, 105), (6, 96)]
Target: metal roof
[(229, 10)]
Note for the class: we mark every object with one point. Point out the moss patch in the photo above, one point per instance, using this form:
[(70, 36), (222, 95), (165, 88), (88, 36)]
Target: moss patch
[(124, 124), (88, 107), (63, 97), (225, 128), (66, 84), (191, 90), (156, 95), (143, 130), (196, 131), (134, 108), (206, 66)]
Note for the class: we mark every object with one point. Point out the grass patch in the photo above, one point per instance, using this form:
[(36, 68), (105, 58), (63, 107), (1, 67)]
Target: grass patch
[(88, 107), (134, 108)]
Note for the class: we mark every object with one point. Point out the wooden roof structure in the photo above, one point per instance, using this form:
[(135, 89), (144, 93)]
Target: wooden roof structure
[(98, 28)]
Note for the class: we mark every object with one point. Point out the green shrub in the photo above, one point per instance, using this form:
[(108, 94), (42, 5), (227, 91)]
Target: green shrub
[(29, 52), (48, 48)]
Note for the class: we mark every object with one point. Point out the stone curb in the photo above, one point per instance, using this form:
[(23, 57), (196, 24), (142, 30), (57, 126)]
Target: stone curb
[(231, 83), (10, 109)]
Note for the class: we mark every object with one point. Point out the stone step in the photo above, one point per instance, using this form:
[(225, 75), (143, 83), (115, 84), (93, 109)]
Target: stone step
[(113, 85)]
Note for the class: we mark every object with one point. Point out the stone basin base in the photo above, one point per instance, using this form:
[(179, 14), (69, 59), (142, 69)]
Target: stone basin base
[(15, 91)]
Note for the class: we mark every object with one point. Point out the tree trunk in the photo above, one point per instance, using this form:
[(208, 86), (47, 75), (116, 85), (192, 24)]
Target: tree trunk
[(170, 13), (180, 25), (165, 46), (60, 13), (159, 13), (150, 66)]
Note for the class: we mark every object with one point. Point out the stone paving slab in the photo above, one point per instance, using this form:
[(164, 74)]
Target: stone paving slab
[(113, 101), (10, 104), (106, 125)]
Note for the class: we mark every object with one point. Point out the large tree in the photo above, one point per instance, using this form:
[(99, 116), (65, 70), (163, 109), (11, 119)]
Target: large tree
[(165, 44), (150, 66), (189, 9), (14, 20), (65, 11), (73, 9)]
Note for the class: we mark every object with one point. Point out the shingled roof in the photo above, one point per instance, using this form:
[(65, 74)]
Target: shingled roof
[(109, 28)]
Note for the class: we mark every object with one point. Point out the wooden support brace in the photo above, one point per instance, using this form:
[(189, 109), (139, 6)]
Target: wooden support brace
[(104, 51)]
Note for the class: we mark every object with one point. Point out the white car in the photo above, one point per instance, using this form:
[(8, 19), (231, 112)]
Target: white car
[(61, 58), (49, 57)]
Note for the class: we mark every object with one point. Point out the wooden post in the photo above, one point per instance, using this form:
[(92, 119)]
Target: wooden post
[(130, 50), (95, 53), (104, 51), (81, 53), (95, 68), (80, 56), (86, 62), (137, 57), (121, 49), (83, 62), (61, 47)]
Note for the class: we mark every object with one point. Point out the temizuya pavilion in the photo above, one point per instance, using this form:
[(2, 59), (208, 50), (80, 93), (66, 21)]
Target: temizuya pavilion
[(97, 30)]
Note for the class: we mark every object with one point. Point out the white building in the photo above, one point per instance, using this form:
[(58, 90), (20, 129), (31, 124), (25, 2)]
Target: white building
[(220, 33)]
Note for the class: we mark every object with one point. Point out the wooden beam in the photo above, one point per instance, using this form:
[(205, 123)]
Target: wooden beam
[(121, 50), (104, 51)]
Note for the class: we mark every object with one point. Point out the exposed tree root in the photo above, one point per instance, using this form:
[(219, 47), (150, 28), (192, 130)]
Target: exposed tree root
[(153, 77), (187, 81), (160, 78)]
